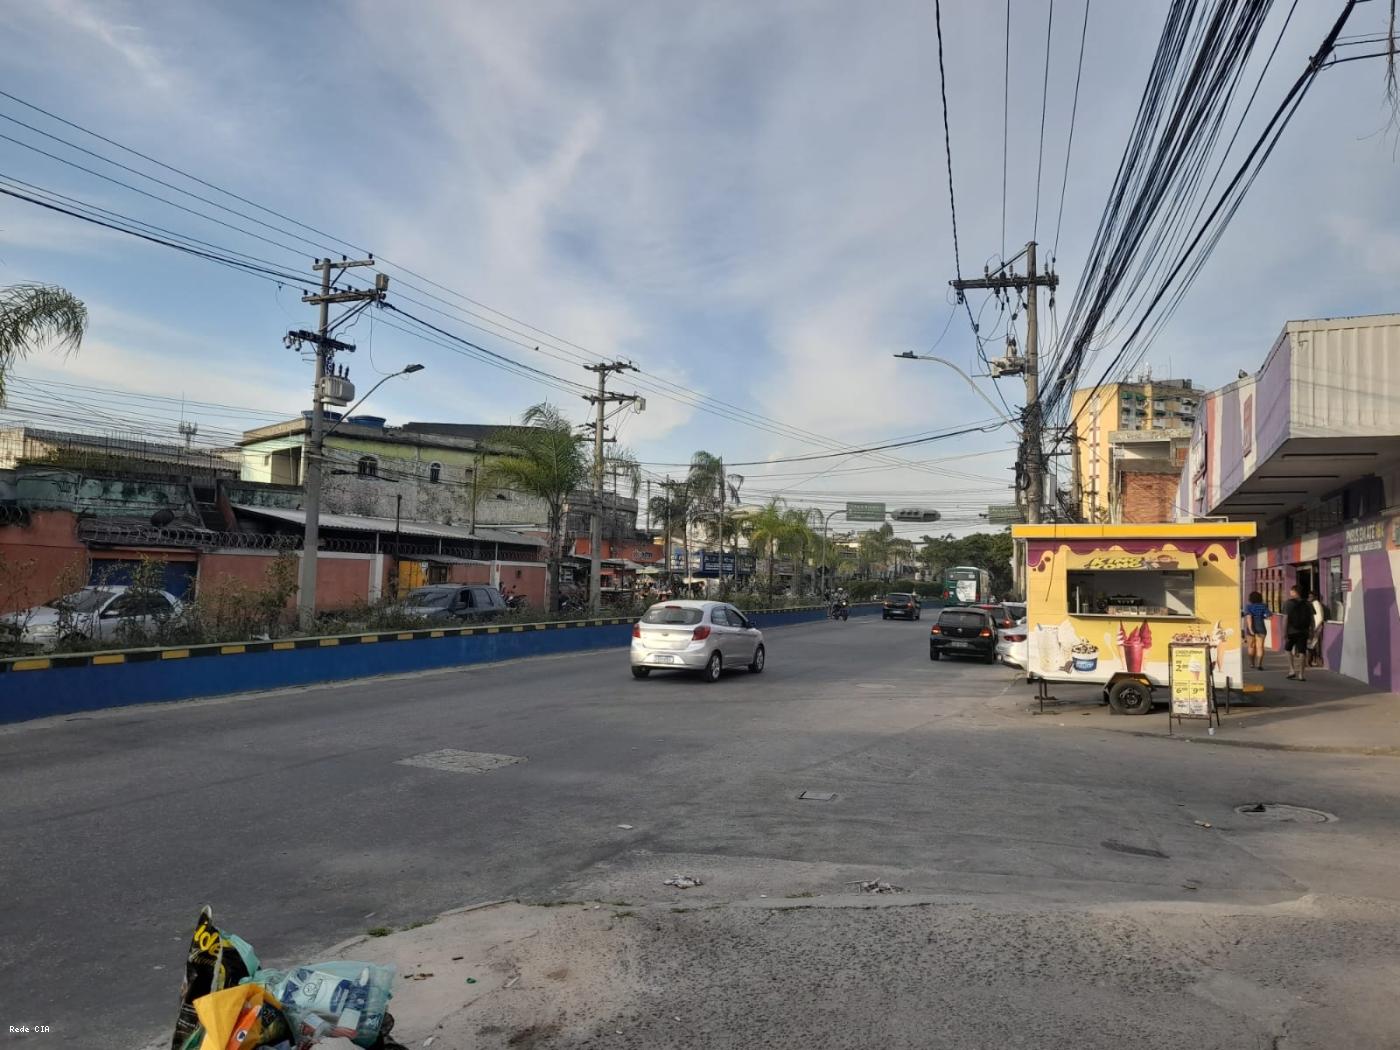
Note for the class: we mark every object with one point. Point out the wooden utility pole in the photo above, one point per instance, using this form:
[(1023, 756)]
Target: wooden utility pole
[(1032, 453), (600, 402)]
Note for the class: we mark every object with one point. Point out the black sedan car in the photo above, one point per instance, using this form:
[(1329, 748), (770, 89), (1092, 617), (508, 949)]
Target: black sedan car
[(905, 605), (448, 602), (963, 631)]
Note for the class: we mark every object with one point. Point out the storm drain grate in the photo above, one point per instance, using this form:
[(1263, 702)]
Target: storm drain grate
[(1283, 813), (817, 796), (450, 760)]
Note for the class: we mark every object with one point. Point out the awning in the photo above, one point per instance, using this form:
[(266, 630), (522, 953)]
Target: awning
[(1108, 560)]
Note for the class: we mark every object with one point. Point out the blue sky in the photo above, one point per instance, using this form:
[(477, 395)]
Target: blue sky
[(748, 200)]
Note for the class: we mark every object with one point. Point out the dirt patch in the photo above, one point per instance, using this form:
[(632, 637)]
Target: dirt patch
[(532, 1036)]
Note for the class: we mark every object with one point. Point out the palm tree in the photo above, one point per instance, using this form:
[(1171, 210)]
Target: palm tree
[(796, 541), (33, 314), (543, 458), (673, 508), (705, 481), (768, 528)]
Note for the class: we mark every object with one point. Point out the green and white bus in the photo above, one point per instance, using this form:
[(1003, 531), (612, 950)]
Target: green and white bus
[(967, 585)]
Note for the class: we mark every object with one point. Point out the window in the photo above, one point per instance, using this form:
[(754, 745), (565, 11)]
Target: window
[(1132, 592), (1269, 583), (368, 467), (1336, 596), (672, 615), (434, 473), (719, 616)]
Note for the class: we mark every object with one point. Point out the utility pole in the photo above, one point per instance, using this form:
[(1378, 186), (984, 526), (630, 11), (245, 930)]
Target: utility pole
[(1032, 454), (331, 387), (600, 402)]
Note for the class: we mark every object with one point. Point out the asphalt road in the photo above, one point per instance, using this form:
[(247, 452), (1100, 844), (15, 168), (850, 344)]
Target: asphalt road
[(293, 814)]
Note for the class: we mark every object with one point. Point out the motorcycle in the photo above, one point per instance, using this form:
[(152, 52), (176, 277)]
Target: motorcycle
[(840, 609)]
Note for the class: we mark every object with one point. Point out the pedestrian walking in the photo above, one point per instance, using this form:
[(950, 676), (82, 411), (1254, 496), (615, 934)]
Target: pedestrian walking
[(1256, 628), (1319, 618), (1297, 630)]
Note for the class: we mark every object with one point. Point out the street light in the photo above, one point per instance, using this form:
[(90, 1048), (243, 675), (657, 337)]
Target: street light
[(909, 355), (306, 590), (404, 371)]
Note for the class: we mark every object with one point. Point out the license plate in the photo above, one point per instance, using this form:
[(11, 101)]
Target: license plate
[(959, 645), (664, 659)]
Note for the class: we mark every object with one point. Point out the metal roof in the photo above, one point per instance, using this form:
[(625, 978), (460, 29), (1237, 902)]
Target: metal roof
[(366, 523)]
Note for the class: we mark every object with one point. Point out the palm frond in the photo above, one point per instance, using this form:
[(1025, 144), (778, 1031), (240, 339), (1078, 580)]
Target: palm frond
[(35, 315)]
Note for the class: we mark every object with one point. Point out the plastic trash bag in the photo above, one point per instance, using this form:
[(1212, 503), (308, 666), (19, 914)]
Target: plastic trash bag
[(216, 961), (332, 998), (242, 1016)]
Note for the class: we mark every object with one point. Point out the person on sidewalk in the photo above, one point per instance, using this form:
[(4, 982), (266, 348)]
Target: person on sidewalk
[(1297, 630), (1315, 641), (1256, 628)]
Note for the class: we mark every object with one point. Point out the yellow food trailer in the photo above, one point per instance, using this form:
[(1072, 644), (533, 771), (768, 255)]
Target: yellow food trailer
[(1105, 602)]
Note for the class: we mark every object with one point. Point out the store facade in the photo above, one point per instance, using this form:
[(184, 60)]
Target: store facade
[(1308, 448)]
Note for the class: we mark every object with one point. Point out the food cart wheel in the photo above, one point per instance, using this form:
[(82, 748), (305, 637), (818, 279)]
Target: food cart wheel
[(1130, 696)]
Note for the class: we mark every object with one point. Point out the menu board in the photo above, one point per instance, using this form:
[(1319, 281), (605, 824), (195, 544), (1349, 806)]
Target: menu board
[(1189, 670)]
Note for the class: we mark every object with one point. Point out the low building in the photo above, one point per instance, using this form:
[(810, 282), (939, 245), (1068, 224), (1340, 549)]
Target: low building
[(1309, 449)]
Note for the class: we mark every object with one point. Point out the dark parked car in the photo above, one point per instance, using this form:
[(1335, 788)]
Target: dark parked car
[(905, 605), (454, 601), (965, 631)]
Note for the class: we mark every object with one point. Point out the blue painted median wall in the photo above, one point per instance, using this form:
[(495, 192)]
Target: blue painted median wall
[(38, 688)]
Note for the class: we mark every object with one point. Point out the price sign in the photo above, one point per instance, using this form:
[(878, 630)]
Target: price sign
[(1190, 680)]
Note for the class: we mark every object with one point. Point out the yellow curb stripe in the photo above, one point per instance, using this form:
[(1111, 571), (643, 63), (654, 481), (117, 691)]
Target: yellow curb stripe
[(31, 665), (436, 634), (174, 654), (109, 658), (284, 645), (517, 628), (493, 630), (232, 650), (407, 636), (328, 642), (366, 639)]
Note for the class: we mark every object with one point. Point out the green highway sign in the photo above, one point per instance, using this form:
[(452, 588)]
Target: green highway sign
[(865, 512), (1004, 514)]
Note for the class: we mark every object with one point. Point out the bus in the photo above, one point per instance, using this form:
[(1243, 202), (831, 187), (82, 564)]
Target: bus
[(967, 585)]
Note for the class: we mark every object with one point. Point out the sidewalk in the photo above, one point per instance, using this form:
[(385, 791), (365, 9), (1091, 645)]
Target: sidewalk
[(1327, 713)]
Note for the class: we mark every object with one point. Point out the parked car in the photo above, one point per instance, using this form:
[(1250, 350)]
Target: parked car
[(963, 631), (688, 635), (442, 602), (907, 606), (1006, 614), (105, 613), (1012, 647)]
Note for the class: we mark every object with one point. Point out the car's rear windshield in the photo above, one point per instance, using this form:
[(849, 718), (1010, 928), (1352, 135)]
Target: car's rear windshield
[(899, 597), (672, 614), (963, 618)]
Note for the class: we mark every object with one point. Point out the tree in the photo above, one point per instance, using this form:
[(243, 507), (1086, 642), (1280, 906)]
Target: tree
[(544, 458), (673, 509), (768, 528), (34, 314), (705, 481), (798, 539)]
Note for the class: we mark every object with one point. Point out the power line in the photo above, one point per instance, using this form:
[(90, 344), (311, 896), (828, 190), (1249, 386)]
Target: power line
[(1044, 99), (1069, 145), (947, 137), (1005, 121)]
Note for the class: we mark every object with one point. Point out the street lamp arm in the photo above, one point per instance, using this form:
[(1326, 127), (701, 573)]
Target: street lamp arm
[(351, 410), (909, 355)]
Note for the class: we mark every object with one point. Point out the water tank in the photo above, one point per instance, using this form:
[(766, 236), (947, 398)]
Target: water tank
[(367, 421)]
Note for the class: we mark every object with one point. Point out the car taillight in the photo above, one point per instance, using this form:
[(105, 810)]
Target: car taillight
[(935, 629), (909, 605), (636, 630), (1015, 637), (985, 632), (701, 633)]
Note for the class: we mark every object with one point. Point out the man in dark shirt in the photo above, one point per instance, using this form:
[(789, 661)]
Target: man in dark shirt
[(1297, 629)]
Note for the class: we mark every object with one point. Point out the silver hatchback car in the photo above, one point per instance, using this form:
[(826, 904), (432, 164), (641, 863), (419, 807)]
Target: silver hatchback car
[(695, 636)]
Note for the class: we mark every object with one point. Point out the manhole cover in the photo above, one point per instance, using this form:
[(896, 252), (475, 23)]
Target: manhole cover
[(1283, 813), (450, 760), (1133, 851), (817, 796)]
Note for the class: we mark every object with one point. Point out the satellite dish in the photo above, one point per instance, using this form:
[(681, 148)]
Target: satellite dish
[(162, 517)]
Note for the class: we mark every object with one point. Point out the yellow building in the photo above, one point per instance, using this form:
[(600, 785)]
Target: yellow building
[(1147, 404)]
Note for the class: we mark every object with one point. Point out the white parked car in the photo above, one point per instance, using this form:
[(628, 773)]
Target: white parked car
[(702, 636), (93, 612), (1012, 646)]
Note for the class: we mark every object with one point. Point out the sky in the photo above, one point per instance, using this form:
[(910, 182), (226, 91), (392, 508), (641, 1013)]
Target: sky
[(749, 201)]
